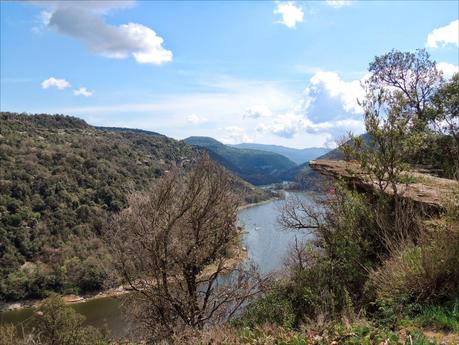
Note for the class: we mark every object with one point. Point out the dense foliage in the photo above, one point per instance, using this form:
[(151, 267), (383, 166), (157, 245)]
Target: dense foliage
[(60, 180), (256, 166)]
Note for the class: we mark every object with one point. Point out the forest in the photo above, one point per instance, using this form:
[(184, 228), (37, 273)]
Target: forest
[(60, 181)]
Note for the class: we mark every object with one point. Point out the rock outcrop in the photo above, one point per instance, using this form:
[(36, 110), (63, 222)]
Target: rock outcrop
[(426, 190)]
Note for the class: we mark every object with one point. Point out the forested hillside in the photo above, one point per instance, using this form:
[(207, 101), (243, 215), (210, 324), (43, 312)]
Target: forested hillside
[(256, 166), (60, 180), (299, 156)]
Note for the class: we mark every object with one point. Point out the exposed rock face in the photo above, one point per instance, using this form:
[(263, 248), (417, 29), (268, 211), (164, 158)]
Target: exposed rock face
[(426, 190)]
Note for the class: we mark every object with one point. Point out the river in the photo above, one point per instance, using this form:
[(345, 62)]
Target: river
[(266, 242)]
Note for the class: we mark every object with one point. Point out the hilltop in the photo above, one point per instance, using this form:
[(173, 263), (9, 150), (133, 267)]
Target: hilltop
[(256, 166)]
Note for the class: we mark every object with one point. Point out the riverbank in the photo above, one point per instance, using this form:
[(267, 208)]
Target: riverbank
[(254, 204), (238, 254)]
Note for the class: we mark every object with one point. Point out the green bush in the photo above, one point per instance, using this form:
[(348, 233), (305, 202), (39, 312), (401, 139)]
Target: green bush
[(423, 273), (269, 309)]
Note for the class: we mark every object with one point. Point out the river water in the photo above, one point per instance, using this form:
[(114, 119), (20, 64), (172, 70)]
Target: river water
[(266, 242)]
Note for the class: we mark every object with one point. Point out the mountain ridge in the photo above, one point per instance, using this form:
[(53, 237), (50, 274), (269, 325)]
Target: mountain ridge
[(256, 166), (298, 156)]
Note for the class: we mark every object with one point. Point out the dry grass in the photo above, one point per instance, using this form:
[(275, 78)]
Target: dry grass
[(424, 271)]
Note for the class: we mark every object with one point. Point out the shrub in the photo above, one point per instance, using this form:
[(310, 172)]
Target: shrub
[(270, 309), (58, 324), (427, 272)]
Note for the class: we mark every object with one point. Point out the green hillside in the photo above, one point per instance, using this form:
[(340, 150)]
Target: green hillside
[(60, 180), (256, 166), (299, 156)]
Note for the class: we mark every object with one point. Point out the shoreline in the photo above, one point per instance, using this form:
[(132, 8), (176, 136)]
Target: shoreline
[(259, 203), (238, 256)]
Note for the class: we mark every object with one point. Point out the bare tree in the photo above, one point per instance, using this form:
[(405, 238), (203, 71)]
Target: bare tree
[(171, 245), (297, 214), (298, 257)]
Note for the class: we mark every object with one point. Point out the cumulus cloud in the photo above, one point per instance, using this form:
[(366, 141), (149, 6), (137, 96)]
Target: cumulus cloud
[(60, 84), (291, 14), (447, 69), (84, 21), (42, 21), (291, 124), (82, 91), (444, 35), (256, 111), (328, 96), (338, 3), (285, 125), (196, 120), (235, 135), (328, 107)]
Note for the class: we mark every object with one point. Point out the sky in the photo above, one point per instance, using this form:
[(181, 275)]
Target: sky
[(270, 72)]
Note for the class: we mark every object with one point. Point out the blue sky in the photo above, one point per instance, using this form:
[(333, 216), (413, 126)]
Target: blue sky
[(251, 71)]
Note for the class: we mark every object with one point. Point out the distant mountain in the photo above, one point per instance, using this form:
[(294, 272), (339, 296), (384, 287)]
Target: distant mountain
[(256, 166), (299, 156), (337, 154)]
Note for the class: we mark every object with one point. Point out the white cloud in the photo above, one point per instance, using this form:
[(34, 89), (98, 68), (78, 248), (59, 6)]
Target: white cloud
[(338, 3), (447, 69), (45, 16), (329, 87), (292, 124), (224, 98), (285, 125), (96, 6), (42, 21), (196, 120), (235, 135), (57, 83), (222, 103), (328, 108), (84, 21), (82, 91), (445, 35), (291, 14), (256, 111), (312, 118)]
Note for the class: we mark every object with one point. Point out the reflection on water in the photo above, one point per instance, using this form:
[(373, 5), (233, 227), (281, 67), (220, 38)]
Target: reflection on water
[(267, 245), (101, 313)]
